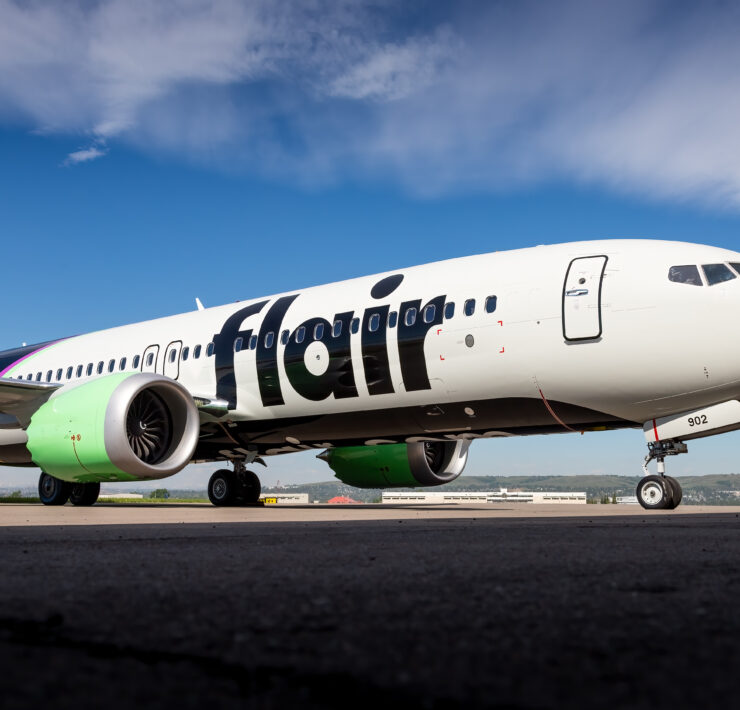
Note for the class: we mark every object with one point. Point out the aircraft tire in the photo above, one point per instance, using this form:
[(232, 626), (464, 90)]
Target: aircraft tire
[(84, 493), (53, 491), (249, 488), (223, 487), (655, 493), (677, 491)]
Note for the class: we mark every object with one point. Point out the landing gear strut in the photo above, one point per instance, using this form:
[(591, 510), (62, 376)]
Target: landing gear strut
[(661, 491), (237, 487)]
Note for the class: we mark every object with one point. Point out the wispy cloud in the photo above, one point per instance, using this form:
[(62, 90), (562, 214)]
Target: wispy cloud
[(85, 155), (640, 95)]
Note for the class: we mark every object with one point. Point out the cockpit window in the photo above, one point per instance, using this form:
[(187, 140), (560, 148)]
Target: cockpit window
[(717, 273), (735, 266), (685, 275)]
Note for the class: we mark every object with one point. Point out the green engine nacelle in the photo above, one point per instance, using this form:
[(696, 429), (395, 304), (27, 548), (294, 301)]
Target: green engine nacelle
[(423, 463), (122, 427)]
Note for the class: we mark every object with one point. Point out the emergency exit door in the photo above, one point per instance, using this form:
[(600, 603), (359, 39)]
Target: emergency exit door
[(582, 298)]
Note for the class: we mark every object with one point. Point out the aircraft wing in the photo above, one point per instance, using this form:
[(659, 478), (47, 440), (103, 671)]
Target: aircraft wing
[(20, 398)]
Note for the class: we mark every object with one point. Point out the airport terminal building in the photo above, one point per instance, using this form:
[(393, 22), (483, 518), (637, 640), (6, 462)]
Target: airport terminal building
[(503, 495)]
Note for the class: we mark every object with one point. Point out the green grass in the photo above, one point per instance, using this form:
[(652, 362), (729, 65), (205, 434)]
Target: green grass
[(19, 499)]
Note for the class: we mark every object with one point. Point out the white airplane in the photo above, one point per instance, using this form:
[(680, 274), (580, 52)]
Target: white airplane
[(394, 374)]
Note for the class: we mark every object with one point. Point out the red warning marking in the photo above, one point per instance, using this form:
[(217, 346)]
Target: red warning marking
[(655, 430), (439, 330), (500, 322), (441, 358), (500, 351)]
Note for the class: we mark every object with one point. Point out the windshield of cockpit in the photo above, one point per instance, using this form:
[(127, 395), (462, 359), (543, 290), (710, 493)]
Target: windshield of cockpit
[(713, 274)]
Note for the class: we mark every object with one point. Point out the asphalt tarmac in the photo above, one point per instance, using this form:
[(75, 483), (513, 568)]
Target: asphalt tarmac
[(443, 607)]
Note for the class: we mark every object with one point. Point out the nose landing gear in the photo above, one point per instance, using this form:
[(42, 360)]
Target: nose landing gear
[(660, 492)]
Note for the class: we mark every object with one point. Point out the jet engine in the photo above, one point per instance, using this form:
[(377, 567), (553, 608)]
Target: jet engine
[(126, 427), (423, 463)]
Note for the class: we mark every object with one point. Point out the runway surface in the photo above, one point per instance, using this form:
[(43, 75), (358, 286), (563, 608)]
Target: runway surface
[(318, 607)]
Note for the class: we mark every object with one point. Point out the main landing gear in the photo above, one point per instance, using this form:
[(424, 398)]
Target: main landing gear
[(237, 487), (656, 492), (53, 491)]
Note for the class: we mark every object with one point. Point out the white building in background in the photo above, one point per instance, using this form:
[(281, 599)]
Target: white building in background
[(503, 495)]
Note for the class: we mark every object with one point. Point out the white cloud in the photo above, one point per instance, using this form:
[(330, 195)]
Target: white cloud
[(640, 95), (85, 155)]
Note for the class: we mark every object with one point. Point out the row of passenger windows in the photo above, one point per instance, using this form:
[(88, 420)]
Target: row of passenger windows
[(713, 273), (113, 365), (410, 316)]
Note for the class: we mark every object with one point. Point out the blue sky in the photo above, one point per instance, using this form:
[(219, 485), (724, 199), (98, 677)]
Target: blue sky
[(155, 152)]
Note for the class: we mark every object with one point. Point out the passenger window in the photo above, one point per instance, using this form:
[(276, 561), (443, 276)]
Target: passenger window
[(150, 359), (284, 337), (30, 377), (252, 342), (318, 331), (410, 317), (196, 352), (48, 376), (38, 377), (469, 307), (300, 334), (89, 370), (101, 365), (355, 325), (717, 273), (136, 362), (59, 375), (79, 371), (111, 365), (269, 340), (185, 354), (210, 349), (449, 310), (429, 312), (238, 345), (374, 322), (336, 329), (173, 355), (70, 371), (122, 364), (688, 274), (392, 319), (490, 304)]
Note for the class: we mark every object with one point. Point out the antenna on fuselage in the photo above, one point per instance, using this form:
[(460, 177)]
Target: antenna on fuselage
[(199, 304)]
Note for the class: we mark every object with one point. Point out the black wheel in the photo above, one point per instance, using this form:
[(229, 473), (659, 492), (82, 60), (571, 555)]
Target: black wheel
[(654, 493), (223, 487), (84, 493), (677, 491), (53, 491), (249, 488)]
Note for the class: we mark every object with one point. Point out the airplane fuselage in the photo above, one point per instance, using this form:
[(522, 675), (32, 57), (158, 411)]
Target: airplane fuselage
[(579, 336)]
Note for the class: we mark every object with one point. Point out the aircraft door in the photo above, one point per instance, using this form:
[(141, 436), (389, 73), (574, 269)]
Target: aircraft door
[(582, 298), (149, 359), (171, 365)]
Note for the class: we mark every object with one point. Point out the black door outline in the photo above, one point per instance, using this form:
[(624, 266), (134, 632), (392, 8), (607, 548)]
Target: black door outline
[(166, 360), (565, 286), (153, 349)]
